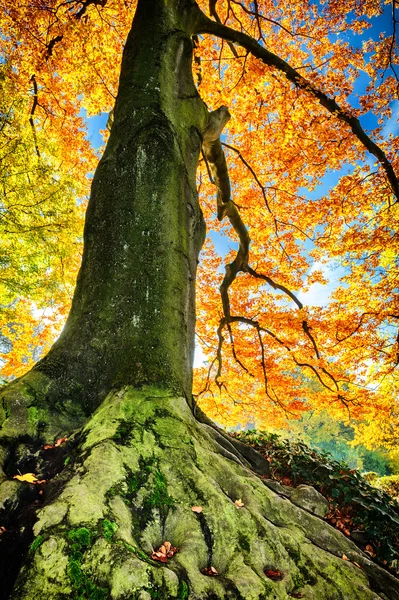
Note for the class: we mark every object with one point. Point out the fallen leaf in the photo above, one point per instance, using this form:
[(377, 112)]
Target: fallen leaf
[(357, 565), (60, 441), (239, 503), (344, 557), (274, 575), (165, 551), (57, 443), (210, 571), (2, 529), (159, 557), (28, 477), (370, 550), (196, 509)]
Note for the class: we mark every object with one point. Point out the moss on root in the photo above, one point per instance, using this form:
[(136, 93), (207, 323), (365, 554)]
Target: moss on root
[(124, 499)]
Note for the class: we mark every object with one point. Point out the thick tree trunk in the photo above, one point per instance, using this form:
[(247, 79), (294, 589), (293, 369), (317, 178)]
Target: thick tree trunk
[(133, 314), (132, 318), (125, 482)]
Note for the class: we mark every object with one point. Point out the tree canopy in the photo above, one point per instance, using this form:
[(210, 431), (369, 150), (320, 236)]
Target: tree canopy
[(312, 157)]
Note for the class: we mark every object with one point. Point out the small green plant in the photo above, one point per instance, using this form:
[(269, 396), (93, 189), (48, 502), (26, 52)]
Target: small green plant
[(67, 461), (109, 529)]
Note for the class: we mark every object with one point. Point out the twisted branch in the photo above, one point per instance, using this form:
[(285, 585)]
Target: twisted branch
[(216, 162)]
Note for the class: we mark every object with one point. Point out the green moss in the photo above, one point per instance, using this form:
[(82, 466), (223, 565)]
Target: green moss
[(244, 542), (84, 588), (137, 480), (307, 575), (76, 574), (109, 529), (183, 591), (294, 554), (140, 554), (123, 432), (157, 498), (82, 537), (163, 413), (298, 580), (36, 543), (160, 497), (35, 417)]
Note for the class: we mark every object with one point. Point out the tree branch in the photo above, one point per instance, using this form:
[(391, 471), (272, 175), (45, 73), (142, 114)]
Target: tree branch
[(206, 25), (32, 112)]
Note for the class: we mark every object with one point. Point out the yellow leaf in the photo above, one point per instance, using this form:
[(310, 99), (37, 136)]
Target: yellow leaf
[(28, 477)]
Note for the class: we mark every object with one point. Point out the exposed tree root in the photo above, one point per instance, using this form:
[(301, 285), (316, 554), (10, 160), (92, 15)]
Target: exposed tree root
[(133, 475)]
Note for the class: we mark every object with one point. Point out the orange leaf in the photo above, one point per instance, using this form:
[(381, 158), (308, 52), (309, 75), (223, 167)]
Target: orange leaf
[(239, 503), (344, 557), (165, 551), (210, 571), (196, 509), (159, 557), (274, 575), (60, 441), (57, 443)]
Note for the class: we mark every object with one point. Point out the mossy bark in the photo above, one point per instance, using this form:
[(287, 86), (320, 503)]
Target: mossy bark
[(126, 482), (142, 462)]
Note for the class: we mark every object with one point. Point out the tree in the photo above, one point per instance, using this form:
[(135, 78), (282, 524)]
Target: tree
[(140, 454)]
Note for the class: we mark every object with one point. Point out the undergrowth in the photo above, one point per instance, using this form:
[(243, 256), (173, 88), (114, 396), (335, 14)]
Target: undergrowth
[(366, 514)]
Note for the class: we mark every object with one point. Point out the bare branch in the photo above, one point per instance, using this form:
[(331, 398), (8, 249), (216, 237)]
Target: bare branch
[(32, 112)]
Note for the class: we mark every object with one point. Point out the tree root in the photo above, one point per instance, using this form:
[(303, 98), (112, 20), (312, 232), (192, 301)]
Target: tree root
[(139, 466)]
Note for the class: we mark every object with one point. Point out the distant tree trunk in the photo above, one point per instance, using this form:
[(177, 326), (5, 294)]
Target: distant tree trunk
[(126, 481)]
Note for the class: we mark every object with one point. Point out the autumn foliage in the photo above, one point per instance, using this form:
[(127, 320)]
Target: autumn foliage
[(317, 201)]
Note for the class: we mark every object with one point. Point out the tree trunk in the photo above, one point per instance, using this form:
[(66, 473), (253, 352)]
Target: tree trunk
[(126, 482), (133, 313)]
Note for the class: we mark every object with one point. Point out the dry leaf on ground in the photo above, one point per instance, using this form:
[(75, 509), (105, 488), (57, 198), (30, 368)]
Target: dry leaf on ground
[(165, 551), (210, 571), (274, 575), (29, 478)]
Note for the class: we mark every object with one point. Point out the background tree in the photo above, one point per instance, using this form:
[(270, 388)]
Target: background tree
[(123, 362)]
